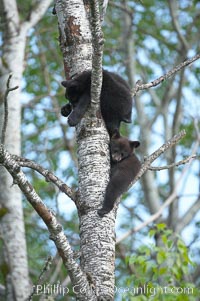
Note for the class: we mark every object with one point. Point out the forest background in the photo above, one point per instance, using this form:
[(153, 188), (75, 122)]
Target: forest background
[(142, 42)]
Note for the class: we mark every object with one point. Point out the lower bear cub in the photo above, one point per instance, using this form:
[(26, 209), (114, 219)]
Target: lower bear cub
[(115, 100), (124, 167)]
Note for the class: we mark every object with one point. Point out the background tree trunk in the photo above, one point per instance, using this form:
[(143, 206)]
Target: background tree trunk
[(12, 223)]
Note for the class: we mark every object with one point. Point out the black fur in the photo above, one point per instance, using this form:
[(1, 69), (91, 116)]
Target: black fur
[(124, 167), (116, 99)]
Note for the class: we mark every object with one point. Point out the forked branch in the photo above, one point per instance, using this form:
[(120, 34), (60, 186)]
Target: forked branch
[(48, 175), (140, 86), (173, 196), (55, 229), (175, 164), (170, 143)]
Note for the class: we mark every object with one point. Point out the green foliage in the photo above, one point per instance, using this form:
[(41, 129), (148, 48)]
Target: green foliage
[(162, 271), (47, 139)]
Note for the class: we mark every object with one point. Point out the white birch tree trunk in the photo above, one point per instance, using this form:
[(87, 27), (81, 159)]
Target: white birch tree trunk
[(12, 223), (97, 235)]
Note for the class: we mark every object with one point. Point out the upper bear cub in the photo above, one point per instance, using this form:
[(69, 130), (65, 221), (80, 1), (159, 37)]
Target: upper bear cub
[(116, 99), (124, 167)]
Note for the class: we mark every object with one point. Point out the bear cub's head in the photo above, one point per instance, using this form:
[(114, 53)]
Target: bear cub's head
[(76, 86), (121, 147)]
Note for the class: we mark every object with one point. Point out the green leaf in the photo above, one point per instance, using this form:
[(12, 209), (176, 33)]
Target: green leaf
[(152, 232), (161, 226), (162, 270), (132, 259), (170, 244), (161, 256)]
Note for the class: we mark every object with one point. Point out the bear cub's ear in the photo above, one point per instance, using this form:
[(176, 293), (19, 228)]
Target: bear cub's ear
[(134, 144), (69, 83), (64, 83)]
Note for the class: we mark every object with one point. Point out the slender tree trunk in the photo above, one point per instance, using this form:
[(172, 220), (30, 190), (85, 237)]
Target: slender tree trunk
[(12, 223)]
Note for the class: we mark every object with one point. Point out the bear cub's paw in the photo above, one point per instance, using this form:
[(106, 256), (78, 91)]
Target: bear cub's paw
[(73, 120), (66, 110)]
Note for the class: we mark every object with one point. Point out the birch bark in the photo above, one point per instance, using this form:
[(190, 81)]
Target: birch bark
[(97, 235), (12, 223)]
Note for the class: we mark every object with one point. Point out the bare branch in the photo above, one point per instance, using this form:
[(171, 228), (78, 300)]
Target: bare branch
[(125, 9), (177, 114), (36, 13), (173, 12), (188, 216), (156, 215), (49, 176), (171, 142), (184, 161), (146, 165), (57, 234), (104, 8), (169, 200), (11, 15), (8, 90), (139, 86), (39, 280)]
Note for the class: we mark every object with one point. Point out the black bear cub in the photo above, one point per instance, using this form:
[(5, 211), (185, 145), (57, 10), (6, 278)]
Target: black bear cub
[(115, 100), (124, 167)]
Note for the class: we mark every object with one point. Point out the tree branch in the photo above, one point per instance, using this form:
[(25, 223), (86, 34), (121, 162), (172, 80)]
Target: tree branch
[(5, 122), (57, 234), (48, 175), (39, 280), (129, 11), (139, 86), (11, 15), (146, 165), (188, 216), (104, 4), (171, 142), (156, 215), (173, 12), (36, 13), (172, 197), (184, 161)]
